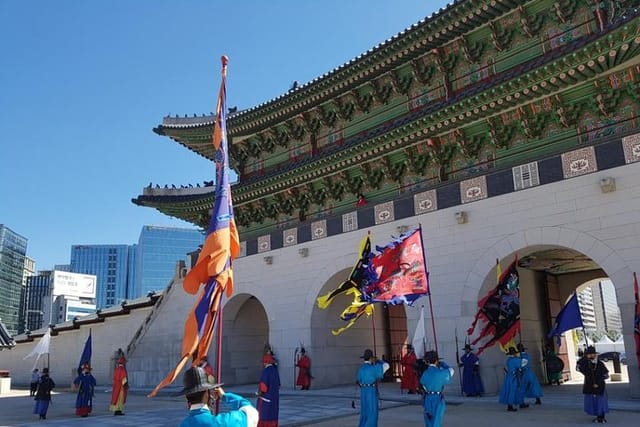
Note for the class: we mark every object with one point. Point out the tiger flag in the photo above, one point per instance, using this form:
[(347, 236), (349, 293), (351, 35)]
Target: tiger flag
[(499, 310), (214, 266), (354, 311), (357, 279)]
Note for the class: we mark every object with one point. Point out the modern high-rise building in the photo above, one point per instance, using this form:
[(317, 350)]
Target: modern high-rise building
[(13, 249), (159, 248), (599, 307), (37, 289), (587, 311), (113, 265), (131, 271), (29, 270), (607, 304)]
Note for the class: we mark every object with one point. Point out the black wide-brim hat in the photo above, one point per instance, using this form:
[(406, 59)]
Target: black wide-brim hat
[(195, 380), (512, 351), (591, 350), (368, 354), (431, 356)]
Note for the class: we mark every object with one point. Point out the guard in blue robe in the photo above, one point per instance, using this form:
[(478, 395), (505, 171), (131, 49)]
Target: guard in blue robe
[(435, 377), (369, 373), (531, 385), (512, 392), (269, 393), (85, 383), (471, 381), (595, 373), (201, 393)]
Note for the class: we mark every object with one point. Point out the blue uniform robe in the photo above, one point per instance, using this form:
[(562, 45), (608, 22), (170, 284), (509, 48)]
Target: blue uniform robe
[(202, 417), (367, 377), (596, 401), (512, 392), (43, 395), (531, 385), (269, 406), (471, 381), (433, 381), (84, 400)]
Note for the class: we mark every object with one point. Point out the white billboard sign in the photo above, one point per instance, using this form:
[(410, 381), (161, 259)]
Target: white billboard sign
[(74, 284)]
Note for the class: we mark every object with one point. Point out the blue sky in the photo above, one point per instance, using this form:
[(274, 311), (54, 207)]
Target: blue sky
[(82, 84)]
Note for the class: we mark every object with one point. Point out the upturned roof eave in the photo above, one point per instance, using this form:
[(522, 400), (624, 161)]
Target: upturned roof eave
[(320, 83)]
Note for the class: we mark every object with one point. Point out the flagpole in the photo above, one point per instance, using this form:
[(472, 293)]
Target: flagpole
[(224, 61), (219, 353), (48, 349), (424, 335), (458, 360), (373, 325), (424, 259)]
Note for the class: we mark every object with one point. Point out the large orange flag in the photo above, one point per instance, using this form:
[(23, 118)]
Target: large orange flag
[(212, 274)]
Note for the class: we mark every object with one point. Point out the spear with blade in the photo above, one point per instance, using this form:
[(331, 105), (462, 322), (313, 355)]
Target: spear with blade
[(458, 359)]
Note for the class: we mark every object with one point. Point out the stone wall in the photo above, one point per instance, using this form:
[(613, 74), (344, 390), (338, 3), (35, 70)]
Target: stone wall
[(66, 347)]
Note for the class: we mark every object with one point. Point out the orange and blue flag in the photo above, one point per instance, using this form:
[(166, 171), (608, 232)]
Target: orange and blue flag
[(213, 273)]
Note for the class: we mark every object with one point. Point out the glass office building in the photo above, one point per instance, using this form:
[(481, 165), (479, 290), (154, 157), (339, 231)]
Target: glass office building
[(37, 289), (13, 249), (112, 265), (159, 249)]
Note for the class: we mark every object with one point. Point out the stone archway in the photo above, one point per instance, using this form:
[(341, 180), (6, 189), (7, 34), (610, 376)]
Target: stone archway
[(245, 332), (482, 277)]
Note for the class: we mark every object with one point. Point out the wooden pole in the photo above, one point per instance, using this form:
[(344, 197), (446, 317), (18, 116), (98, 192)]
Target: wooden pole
[(219, 353), (373, 325)]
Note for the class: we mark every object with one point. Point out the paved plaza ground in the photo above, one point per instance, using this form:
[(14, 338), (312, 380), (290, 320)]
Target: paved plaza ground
[(562, 406)]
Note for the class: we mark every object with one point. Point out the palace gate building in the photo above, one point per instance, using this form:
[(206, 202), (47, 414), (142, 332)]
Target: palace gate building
[(503, 127)]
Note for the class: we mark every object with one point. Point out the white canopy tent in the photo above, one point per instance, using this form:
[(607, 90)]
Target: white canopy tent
[(619, 345), (605, 345)]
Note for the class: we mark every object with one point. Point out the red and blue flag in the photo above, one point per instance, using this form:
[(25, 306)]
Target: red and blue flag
[(399, 271)]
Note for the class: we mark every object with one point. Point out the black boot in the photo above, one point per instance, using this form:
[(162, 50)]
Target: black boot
[(538, 401), (510, 408), (524, 405)]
